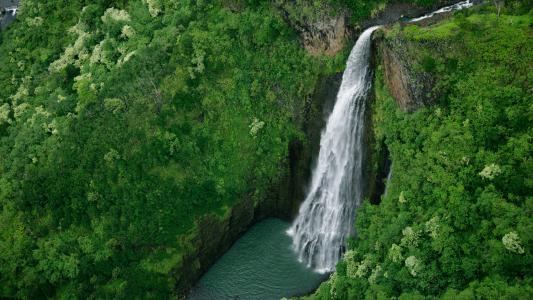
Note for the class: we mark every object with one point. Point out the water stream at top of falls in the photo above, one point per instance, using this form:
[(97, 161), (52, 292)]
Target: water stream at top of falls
[(325, 219), (457, 6)]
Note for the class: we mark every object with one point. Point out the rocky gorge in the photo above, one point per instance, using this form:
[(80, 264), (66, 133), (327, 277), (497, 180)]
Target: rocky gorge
[(323, 34)]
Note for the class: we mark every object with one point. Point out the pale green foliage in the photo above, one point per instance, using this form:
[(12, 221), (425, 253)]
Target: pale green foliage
[(99, 55), (512, 242), (401, 198), (395, 253), (333, 284), (111, 156), (198, 62), (39, 116), (114, 105), (432, 227), (19, 110), (413, 265), (71, 52), (96, 55), (21, 94), (351, 264), (4, 114), (351, 269), (79, 28), (92, 196), (113, 14), (34, 22), (374, 275), (256, 126), (490, 171), (125, 58), (154, 7), (363, 267), (51, 127), (410, 236), (127, 31), (349, 255)]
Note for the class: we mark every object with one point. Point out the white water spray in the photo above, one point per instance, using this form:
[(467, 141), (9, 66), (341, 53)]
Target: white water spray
[(326, 217)]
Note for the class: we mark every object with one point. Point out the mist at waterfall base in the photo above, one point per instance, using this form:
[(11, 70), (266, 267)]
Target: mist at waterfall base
[(326, 217), (260, 265)]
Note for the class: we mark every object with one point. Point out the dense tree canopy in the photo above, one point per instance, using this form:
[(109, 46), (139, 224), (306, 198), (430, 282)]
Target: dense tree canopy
[(121, 122), (457, 219)]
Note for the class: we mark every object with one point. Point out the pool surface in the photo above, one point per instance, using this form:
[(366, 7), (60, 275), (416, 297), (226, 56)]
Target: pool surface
[(260, 265)]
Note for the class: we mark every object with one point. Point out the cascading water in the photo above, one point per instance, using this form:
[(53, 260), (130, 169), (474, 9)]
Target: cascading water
[(325, 219)]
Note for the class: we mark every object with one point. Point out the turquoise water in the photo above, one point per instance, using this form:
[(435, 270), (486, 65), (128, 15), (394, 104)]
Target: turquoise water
[(260, 265)]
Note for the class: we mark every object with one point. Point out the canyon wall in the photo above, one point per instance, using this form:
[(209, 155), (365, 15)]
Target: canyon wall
[(214, 234)]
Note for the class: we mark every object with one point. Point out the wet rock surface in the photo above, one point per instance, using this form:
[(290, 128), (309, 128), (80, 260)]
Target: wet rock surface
[(323, 31)]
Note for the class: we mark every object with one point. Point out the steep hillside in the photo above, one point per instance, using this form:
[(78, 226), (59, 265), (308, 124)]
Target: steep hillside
[(124, 122), (456, 221)]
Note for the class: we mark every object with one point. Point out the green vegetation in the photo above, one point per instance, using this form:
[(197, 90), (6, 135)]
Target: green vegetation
[(457, 221), (121, 122), (364, 9)]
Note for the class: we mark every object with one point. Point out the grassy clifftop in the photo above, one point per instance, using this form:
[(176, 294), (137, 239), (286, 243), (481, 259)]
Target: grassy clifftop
[(457, 220)]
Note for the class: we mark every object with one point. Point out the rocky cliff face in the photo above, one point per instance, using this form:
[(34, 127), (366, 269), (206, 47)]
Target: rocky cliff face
[(324, 29), (213, 236), (406, 77)]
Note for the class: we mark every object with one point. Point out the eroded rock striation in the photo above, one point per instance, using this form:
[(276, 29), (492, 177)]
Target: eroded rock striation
[(408, 81), (322, 30)]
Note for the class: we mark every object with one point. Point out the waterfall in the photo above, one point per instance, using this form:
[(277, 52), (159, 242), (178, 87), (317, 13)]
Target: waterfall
[(325, 219)]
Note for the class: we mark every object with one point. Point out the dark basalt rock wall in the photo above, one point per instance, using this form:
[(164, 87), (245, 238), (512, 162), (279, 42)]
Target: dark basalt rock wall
[(410, 85), (322, 30)]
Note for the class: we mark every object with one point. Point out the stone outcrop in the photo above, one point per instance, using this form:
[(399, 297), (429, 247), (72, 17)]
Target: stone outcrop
[(322, 31), (406, 79)]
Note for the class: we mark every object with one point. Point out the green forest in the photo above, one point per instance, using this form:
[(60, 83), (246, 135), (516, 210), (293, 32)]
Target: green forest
[(123, 122), (457, 220)]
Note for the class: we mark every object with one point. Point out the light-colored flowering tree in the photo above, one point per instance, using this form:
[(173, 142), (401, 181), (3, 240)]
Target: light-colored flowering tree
[(512, 242)]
